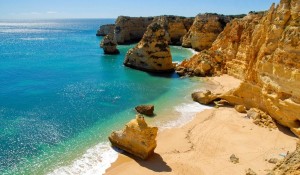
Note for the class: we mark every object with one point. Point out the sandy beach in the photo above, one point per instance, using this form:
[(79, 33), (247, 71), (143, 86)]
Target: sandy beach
[(204, 145)]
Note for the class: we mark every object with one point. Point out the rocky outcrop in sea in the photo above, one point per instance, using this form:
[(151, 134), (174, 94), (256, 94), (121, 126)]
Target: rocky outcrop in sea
[(109, 45), (105, 29), (152, 53)]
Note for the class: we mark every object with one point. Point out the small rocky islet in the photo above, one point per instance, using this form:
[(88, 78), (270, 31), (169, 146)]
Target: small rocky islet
[(262, 49)]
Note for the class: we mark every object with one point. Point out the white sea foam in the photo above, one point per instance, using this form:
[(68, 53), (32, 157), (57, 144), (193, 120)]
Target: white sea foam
[(193, 51), (95, 161), (33, 39), (187, 112)]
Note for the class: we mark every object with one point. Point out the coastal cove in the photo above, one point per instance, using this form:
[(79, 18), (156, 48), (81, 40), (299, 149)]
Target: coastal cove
[(206, 94), (73, 96)]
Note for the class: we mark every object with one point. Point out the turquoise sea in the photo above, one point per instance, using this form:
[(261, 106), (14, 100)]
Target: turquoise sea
[(60, 96)]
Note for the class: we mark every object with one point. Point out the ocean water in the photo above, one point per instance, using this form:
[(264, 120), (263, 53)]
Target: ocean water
[(60, 96)]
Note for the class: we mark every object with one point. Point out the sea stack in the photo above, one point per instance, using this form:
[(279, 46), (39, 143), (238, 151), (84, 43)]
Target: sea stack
[(109, 45), (152, 53), (136, 138)]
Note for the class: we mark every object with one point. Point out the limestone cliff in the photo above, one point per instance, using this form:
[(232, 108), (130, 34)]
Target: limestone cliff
[(136, 138), (177, 27), (204, 31), (131, 29), (264, 51), (152, 53), (105, 30)]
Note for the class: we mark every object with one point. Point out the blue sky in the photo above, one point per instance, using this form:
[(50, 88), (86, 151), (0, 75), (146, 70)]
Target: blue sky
[(35, 9)]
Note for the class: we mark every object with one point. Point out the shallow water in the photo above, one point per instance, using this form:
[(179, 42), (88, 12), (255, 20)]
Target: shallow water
[(60, 96)]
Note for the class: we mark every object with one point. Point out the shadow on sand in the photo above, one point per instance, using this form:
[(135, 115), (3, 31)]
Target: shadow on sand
[(154, 163)]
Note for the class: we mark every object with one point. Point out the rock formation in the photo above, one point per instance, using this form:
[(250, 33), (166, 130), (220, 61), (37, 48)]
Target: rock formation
[(263, 49), (260, 118), (105, 30), (131, 29), (145, 109), (109, 44), (152, 53), (136, 138), (240, 108), (177, 28), (205, 30), (290, 165), (204, 97)]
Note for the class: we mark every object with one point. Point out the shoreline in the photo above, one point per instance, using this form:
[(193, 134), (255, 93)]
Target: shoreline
[(204, 144)]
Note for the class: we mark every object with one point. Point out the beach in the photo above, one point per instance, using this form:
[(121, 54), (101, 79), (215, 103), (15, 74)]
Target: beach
[(204, 145)]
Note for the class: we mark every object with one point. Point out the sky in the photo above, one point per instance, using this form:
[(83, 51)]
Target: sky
[(53, 9)]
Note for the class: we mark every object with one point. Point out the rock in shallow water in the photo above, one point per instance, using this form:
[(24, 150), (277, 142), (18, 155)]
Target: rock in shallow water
[(136, 138), (109, 45), (145, 109)]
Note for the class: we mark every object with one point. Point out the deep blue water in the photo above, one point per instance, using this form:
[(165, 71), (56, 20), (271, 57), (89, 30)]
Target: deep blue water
[(59, 94)]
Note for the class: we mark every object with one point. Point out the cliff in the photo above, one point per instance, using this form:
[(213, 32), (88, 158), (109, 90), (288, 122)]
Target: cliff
[(263, 50), (204, 31), (131, 29), (152, 53), (177, 27), (105, 30)]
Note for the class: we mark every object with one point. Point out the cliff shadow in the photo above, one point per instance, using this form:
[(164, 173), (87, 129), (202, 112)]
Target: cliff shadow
[(154, 163), (164, 75), (285, 130)]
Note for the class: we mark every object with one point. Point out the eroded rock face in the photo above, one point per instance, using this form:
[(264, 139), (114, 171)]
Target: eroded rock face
[(152, 53), (204, 31), (263, 50), (105, 30), (222, 57), (109, 44), (136, 138), (131, 29), (177, 28)]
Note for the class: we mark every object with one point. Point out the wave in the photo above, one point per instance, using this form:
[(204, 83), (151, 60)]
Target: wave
[(193, 51), (187, 112), (95, 161)]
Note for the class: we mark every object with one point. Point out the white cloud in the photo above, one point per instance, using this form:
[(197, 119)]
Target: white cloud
[(51, 12)]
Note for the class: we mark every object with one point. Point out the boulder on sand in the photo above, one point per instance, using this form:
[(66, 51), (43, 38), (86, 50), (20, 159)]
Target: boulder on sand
[(204, 97), (136, 138)]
